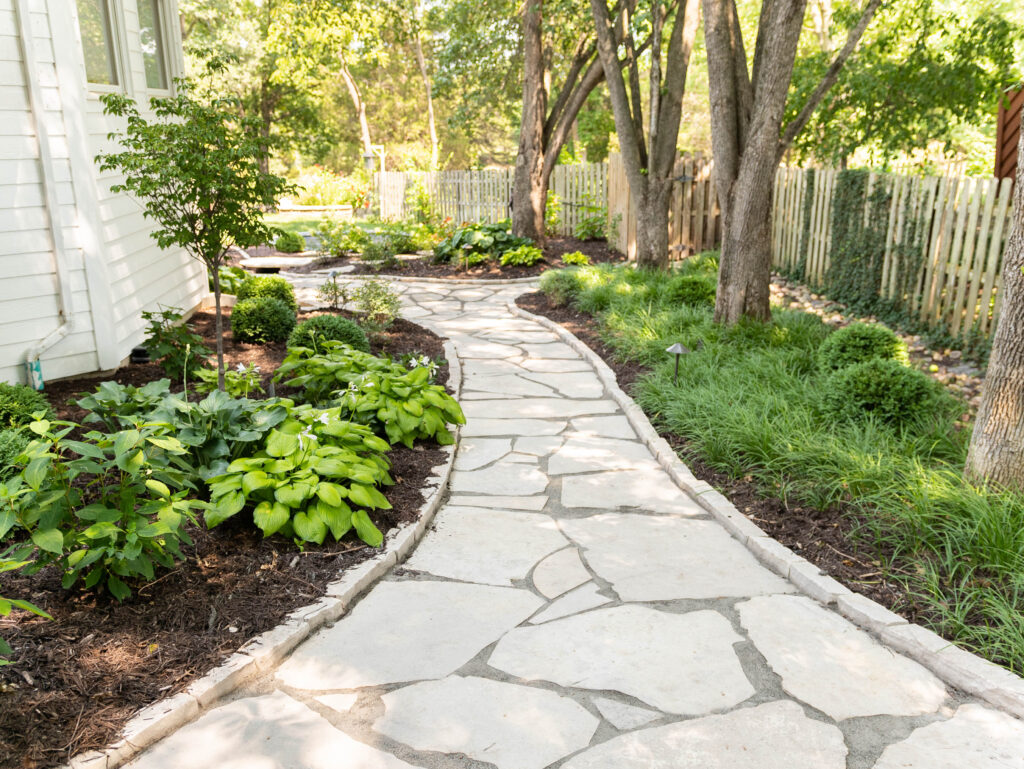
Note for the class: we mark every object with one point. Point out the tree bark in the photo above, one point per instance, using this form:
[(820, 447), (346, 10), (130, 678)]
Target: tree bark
[(357, 101), (219, 322), (529, 190), (996, 453), (434, 153)]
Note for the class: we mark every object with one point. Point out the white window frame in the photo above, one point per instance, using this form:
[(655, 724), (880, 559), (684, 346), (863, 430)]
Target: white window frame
[(119, 46), (169, 36)]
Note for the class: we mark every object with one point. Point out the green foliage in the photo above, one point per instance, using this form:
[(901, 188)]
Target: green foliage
[(18, 403), (338, 237), (9, 604), (524, 256), (315, 474), (378, 251), (290, 243), (261, 320), (591, 226), (311, 333), (577, 258), (394, 237), (118, 406), (885, 390), (238, 382), (552, 214), (12, 444), (170, 342), (107, 509), (321, 187), (230, 279), (697, 290), (322, 375), (860, 342), (379, 303), (268, 285), (561, 286), (333, 293), (492, 240)]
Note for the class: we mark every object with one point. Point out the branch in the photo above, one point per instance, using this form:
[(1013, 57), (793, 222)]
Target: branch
[(584, 53), (829, 80)]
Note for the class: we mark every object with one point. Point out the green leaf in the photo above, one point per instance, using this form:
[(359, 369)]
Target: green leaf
[(309, 528), (117, 588), (338, 519), (167, 442), (35, 472), (86, 449), (158, 488), (125, 441), (293, 494), (329, 493), (270, 516), (367, 532), (255, 480), (50, 540), (281, 444), (223, 508), (26, 606)]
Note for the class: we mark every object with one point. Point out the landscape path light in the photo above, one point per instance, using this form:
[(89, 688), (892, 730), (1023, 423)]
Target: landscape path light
[(680, 349)]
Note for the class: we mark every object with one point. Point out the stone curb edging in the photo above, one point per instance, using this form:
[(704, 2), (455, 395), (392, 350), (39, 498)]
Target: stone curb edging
[(264, 652), (407, 279), (959, 668)]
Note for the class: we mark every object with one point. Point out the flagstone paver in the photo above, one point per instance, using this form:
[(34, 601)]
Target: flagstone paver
[(572, 607)]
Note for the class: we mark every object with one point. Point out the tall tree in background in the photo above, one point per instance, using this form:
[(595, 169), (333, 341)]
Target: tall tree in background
[(648, 161), (749, 140), (997, 445)]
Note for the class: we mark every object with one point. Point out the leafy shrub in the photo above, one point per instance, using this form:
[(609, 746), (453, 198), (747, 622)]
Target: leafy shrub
[(591, 226), (230, 279), (261, 320), (491, 239), (378, 251), (171, 343), (238, 382), (886, 390), (107, 509), (338, 237), (379, 303), (395, 237), (860, 342), (561, 286), (290, 243), (552, 214), (268, 285), (333, 293), (12, 443), (322, 374), (320, 187), (311, 333), (576, 258), (695, 290), (118, 406), (524, 256), (18, 403), (316, 473)]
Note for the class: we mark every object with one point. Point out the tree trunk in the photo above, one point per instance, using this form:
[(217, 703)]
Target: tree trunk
[(652, 224), (997, 444), (529, 192), (357, 101), (219, 324), (434, 153)]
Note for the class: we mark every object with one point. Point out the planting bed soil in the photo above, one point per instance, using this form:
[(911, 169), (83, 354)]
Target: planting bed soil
[(598, 251), (79, 679)]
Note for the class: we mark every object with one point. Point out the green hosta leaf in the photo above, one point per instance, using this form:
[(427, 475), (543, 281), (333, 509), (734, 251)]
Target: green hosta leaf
[(367, 532), (293, 494), (158, 488), (309, 528), (222, 487), (50, 540), (338, 519), (270, 516), (332, 467), (329, 493), (367, 496), (167, 443), (414, 408), (223, 508), (255, 480), (280, 444), (443, 437)]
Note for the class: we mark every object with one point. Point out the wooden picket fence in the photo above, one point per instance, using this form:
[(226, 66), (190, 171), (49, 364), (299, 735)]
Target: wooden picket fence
[(961, 225), (694, 215)]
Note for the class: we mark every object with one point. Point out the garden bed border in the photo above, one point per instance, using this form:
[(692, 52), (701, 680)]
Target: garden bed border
[(412, 279), (959, 668), (264, 652)]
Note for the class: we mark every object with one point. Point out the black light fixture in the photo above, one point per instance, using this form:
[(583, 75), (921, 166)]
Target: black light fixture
[(677, 349), (139, 355)]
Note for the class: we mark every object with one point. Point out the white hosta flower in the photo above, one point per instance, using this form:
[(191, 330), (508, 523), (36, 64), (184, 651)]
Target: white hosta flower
[(323, 418), (240, 368), (305, 435)]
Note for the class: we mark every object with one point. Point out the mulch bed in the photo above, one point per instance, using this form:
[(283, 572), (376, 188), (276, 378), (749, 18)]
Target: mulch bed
[(826, 538), (80, 678), (598, 251)]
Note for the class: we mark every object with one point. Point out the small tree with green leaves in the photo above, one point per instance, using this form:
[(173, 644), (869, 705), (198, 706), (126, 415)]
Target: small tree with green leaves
[(196, 168)]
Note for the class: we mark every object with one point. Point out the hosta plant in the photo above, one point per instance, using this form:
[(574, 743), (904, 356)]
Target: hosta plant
[(238, 382), (118, 406), (315, 474)]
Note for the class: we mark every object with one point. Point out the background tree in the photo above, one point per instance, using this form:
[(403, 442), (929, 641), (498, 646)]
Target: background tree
[(748, 138), (997, 444), (197, 170), (648, 161)]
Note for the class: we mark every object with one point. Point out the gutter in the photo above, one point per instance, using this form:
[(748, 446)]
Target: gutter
[(28, 61)]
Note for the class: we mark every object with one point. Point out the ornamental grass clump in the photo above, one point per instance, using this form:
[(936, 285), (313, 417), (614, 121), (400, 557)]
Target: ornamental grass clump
[(858, 343), (261, 320)]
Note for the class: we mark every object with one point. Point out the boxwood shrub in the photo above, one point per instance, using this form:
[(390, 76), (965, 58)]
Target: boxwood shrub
[(268, 285), (262, 319), (290, 243), (334, 328), (18, 403), (894, 394), (860, 342)]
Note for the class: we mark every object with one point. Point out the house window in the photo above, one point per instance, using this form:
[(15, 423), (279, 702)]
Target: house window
[(98, 42), (154, 46)]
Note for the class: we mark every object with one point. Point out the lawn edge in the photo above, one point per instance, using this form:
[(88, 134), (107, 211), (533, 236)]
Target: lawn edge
[(266, 651), (957, 667)]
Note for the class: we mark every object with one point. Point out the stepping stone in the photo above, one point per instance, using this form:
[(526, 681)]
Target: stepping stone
[(407, 631), (560, 572), (651, 490), (605, 427), (499, 502), (556, 366), (538, 408), (340, 702), (477, 348), (974, 738), (268, 732), (832, 665), (475, 453), (506, 384), (555, 350), (509, 726), (625, 717), (484, 368), (677, 663), (582, 454), (574, 385), (538, 447), (502, 478), (491, 547), (776, 735), (655, 558), (477, 428), (581, 599)]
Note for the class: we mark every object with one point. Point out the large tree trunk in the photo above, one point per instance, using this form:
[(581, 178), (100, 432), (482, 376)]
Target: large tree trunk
[(529, 187), (360, 105), (997, 444), (652, 224), (434, 153)]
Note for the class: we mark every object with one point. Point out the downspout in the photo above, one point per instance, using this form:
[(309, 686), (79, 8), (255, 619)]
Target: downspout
[(28, 61)]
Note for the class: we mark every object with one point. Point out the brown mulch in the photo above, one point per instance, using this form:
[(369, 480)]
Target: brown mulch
[(598, 251), (826, 538), (80, 678)]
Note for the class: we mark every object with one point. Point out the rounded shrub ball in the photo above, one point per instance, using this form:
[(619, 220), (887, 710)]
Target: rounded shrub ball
[(860, 342), (333, 328), (885, 389), (290, 243), (695, 290), (268, 285), (261, 320), (18, 403)]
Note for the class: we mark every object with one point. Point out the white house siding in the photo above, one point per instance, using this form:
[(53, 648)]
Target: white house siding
[(116, 268)]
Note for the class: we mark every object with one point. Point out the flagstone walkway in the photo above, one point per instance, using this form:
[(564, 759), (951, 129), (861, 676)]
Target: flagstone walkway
[(571, 607)]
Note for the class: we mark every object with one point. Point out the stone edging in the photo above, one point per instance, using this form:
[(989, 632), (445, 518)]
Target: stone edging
[(264, 652), (407, 279), (959, 668)]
